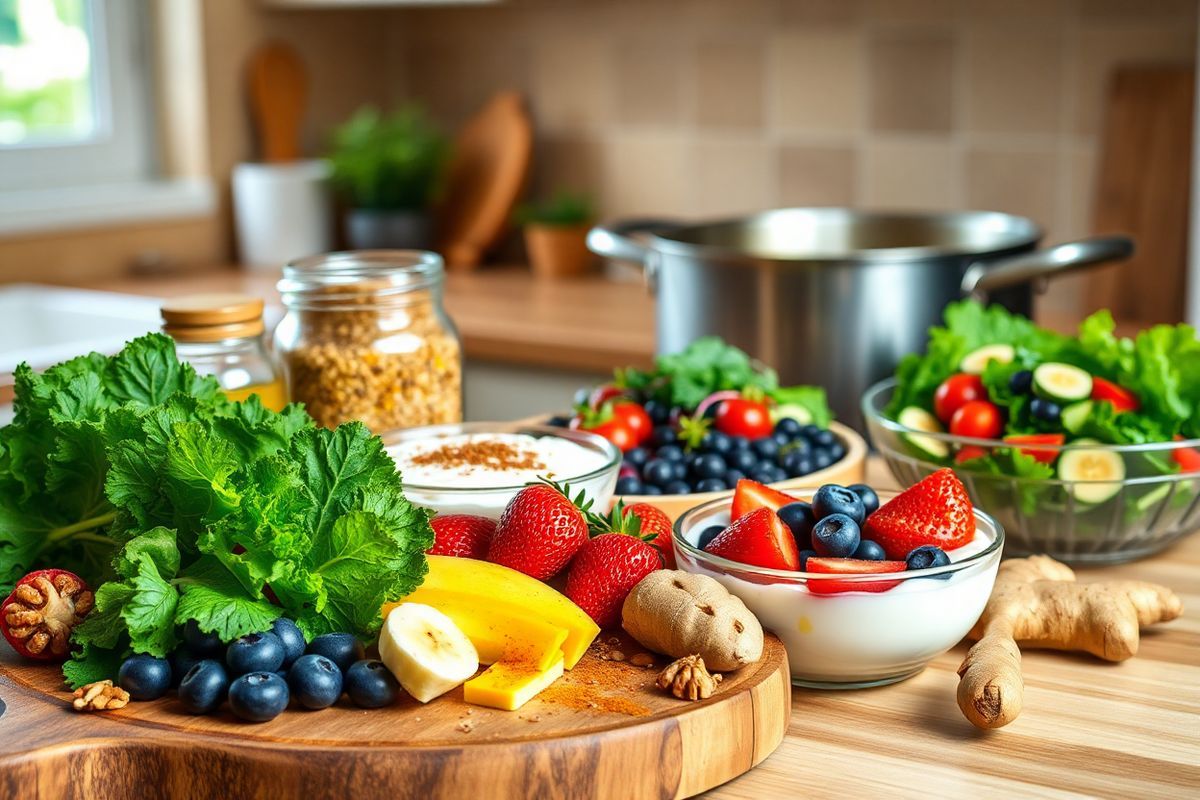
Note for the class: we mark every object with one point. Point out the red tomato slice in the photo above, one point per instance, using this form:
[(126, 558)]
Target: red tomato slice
[(750, 495), (851, 566), (1042, 455), (969, 451), (1187, 458), (1122, 399)]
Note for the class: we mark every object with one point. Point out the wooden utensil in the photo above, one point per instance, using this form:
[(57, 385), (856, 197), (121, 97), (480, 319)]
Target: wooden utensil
[(1143, 188), (602, 731), (278, 88), (487, 172)]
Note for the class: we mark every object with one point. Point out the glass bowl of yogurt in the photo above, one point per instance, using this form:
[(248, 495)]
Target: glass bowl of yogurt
[(845, 638), (477, 467)]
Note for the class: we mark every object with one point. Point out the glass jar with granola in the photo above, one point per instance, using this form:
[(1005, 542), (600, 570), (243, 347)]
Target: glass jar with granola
[(365, 337)]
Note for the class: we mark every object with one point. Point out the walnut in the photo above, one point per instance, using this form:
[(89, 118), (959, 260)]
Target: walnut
[(688, 679), (99, 696)]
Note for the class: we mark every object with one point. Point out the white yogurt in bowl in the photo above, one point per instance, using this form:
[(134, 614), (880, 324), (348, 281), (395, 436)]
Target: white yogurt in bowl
[(853, 639), (477, 467)]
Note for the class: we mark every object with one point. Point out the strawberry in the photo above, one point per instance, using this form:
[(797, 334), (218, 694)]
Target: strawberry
[(462, 535), (934, 511), (539, 532), (760, 539), (642, 520), (750, 495), (851, 566), (605, 570)]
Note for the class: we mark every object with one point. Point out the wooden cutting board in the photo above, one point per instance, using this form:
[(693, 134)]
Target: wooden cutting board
[(602, 731)]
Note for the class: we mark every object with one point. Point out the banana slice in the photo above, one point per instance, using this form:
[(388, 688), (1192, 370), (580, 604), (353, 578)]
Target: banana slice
[(426, 651)]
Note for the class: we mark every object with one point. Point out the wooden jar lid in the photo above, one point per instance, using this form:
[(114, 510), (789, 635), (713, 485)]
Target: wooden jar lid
[(212, 317)]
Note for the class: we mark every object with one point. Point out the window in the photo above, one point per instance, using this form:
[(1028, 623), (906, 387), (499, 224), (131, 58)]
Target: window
[(73, 100)]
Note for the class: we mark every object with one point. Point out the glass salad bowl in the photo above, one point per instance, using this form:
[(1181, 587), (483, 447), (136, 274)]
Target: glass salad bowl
[(1144, 502)]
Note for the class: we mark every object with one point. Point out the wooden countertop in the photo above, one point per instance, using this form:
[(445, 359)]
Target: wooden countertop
[(503, 313), (1128, 730)]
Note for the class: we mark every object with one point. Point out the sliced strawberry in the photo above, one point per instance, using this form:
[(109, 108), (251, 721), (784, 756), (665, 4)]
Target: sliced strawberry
[(750, 495), (851, 566), (936, 511), (1044, 455), (1188, 458), (759, 539), (462, 535), (1122, 399), (968, 452)]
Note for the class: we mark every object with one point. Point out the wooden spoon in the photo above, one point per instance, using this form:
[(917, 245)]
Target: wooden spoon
[(278, 89)]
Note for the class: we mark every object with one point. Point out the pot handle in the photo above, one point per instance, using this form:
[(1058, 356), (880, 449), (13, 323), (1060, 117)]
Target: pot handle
[(615, 240), (983, 277)]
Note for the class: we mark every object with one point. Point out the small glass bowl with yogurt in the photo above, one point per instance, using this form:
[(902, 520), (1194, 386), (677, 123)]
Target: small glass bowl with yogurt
[(477, 467), (854, 639)]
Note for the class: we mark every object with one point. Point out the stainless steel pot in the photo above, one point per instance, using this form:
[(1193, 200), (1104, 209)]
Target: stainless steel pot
[(832, 296)]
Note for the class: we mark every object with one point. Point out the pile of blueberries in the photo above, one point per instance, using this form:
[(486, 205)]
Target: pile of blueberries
[(831, 527), (260, 673)]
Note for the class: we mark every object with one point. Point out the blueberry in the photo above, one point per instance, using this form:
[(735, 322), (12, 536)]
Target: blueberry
[(199, 643), (1045, 410), (762, 474), (869, 551), (315, 681), (658, 412), (181, 661), (732, 476), (628, 471), (835, 536), (638, 457), (739, 443), (834, 499), (342, 649), (766, 447), (145, 677), (795, 463), (291, 638), (629, 485), (658, 472), (870, 500), (670, 452), (800, 519), (1021, 382), (711, 485), (707, 535), (716, 442), (788, 427), (203, 688), (255, 652), (558, 421), (805, 555), (824, 438), (258, 696), (745, 460), (677, 487), (663, 435), (709, 465), (781, 438), (679, 470), (651, 489), (926, 556), (371, 685), (822, 459), (837, 451), (810, 432)]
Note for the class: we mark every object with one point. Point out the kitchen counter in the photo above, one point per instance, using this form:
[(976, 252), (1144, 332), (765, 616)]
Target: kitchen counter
[(1088, 727)]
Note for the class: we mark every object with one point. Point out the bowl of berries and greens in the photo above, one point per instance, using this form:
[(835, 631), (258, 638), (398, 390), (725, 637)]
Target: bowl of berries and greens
[(863, 588), (707, 417), (1085, 447)]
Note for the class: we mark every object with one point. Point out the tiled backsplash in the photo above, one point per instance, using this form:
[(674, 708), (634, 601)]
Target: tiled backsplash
[(711, 107)]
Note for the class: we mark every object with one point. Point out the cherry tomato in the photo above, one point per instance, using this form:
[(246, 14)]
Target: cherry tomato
[(635, 418), (1187, 458), (742, 417), (969, 451), (1046, 456), (977, 419), (1122, 399), (955, 392), (613, 429)]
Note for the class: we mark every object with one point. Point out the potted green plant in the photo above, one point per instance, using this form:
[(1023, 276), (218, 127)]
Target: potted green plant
[(556, 235), (387, 170)]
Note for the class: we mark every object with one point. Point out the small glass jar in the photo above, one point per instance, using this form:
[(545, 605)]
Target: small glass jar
[(365, 337), (222, 335)]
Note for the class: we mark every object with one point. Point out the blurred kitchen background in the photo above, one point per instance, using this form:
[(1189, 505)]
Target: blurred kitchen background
[(122, 123)]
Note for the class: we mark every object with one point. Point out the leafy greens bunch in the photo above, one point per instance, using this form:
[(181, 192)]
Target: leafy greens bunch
[(710, 365), (177, 504)]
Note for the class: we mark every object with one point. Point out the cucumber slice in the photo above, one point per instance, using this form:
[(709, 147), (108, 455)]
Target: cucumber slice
[(791, 411), (921, 420), (976, 361), (1152, 498), (1075, 415), (1062, 383), (1093, 475)]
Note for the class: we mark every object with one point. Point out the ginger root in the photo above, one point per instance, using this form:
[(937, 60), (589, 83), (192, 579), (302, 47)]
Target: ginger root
[(1036, 603), (679, 614)]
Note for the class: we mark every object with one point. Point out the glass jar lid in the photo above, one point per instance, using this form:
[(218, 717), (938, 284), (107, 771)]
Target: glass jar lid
[(212, 317), (352, 275)]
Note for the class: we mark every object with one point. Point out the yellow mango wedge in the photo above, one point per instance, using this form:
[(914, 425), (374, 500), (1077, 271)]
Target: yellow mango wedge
[(490, 599), (509, 686)]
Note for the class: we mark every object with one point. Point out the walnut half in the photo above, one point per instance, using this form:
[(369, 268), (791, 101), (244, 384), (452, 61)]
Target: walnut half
[(688, 679), (99, 696)]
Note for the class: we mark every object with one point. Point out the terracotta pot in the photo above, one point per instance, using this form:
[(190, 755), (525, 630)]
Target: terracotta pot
[(558, 251)]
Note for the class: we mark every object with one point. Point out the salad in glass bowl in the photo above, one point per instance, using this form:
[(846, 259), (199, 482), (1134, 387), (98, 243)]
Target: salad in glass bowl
[(1086, 447)]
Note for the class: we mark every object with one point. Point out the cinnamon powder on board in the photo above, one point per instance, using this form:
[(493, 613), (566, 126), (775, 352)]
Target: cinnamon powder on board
[(594, 685)]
